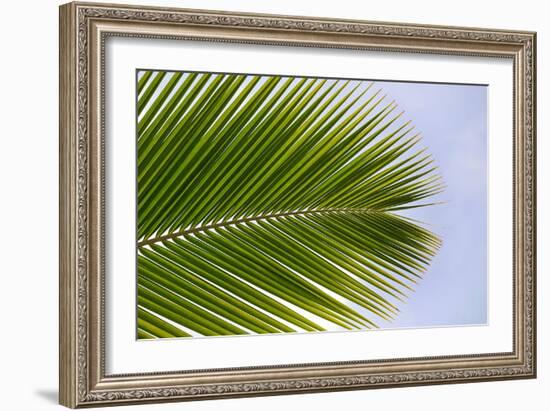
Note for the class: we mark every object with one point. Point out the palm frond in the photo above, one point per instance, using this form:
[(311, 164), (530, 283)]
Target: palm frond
[(268, 204)]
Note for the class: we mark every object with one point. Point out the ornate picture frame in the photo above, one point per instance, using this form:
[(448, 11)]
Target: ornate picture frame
[(84, 29)]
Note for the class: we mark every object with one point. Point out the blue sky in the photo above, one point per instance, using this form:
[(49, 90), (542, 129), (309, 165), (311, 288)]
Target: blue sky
[(452, 122)]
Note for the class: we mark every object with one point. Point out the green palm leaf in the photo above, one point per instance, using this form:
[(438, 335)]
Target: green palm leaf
[(269, 204)]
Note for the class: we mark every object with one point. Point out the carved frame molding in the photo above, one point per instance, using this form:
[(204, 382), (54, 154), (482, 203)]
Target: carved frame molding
[(83, 30)]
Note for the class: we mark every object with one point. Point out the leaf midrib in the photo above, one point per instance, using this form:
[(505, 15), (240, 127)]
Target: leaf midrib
[(222, 224)]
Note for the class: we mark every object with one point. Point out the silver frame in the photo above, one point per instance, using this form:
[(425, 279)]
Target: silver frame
[(83, 30)]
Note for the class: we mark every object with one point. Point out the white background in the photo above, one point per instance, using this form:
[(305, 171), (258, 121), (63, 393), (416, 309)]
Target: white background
[(28, 210)]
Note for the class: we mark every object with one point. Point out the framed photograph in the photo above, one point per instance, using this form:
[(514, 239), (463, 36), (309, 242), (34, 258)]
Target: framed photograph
[(259, 204)]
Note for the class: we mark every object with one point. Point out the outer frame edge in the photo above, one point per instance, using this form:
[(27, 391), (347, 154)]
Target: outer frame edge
[(68, 361)]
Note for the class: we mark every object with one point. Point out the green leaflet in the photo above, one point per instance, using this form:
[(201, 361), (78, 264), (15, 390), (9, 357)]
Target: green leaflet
[(267, 204)]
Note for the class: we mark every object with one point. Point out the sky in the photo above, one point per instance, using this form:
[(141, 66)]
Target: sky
[(452, 120)]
